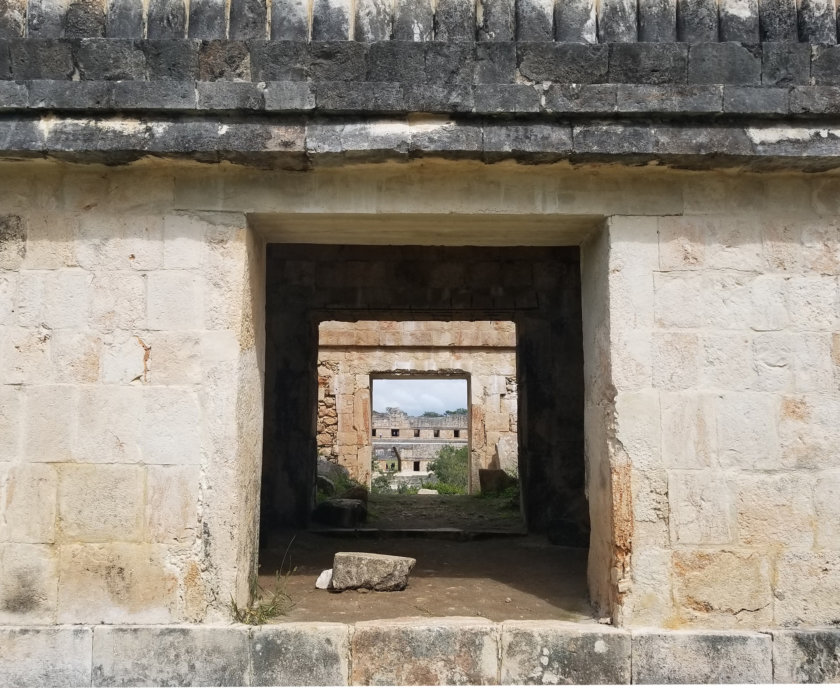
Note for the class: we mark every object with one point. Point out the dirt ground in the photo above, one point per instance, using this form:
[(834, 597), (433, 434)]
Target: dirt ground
[(497, 577)]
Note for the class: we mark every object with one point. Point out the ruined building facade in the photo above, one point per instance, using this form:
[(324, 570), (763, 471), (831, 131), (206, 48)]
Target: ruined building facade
[(647, 190)]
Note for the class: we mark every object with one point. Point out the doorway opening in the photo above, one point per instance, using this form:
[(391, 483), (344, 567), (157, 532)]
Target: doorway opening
[(317, 294)]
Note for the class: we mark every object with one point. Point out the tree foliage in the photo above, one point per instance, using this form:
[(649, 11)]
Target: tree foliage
[(431, 414), (452, 466)]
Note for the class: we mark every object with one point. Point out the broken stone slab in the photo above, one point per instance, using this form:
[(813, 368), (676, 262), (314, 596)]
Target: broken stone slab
[(325, 485), (356, 492), (424, 490), (384, 572), (494, 480), (324, 579), (332, 471), (340, 513)]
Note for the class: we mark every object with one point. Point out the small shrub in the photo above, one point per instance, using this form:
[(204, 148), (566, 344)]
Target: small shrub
[(262, 605), (452, 467)]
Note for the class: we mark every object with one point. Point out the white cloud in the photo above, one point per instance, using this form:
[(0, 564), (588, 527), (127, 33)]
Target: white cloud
[(414, 396)]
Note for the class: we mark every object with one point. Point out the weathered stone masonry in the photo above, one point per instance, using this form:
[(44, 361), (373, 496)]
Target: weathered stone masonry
[(682, 156)]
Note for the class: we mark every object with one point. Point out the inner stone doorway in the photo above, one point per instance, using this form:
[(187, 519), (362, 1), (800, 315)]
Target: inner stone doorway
[(537, 288)]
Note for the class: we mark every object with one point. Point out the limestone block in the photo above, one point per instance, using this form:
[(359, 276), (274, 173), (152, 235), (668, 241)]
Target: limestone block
[(734, 246), (806, 589), (172, 501), (49, 428), (110, 424), (701, 508), (75, 356), (301, 654), (804, 656), (126, 358), (30, 302), (26, 355), (45, 656), (813, 302), (28, 583), (769, 303), (651, 511), (8, 295), (67, 298), (11, 402), (382, 572), (726, 361), (747, 433), (183, 237), (781, 241), (173, 422), (678, 299), (132, 242), (813, 369), (170, 656), (12, 242), (727, 299), (701, 657), (651, 603), (632, 360), (49, 241), (676, 358), (174, 300), (100, 503), (421, 651), (682, 242), (809, 432), (723, 588), (561, 653), (774, 509), (637, 427), (118, 301), (117, 583), (820, 248), (773, 361), (175, 358), (827, 508), (28, 498)]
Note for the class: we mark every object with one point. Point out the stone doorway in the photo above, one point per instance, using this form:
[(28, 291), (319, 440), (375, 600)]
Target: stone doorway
[(537, 288)]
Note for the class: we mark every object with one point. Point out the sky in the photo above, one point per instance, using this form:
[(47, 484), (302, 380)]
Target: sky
[(416, 396)]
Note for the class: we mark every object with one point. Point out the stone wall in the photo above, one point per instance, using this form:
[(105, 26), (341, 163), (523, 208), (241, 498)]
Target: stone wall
[(484, 352), (130, 402), (711, 374), (311, 284), (724, 357)]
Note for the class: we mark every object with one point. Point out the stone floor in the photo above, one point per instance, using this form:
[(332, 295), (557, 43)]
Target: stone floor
[(499, 578)]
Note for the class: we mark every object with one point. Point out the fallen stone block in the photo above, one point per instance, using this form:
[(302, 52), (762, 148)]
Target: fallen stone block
[(424, 490), (340, 513), (352, 570)]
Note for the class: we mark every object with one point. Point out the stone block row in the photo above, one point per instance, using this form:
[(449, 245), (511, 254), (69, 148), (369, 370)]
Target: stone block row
[(294, 145), (415, 65), (582, 21), (454, 651)]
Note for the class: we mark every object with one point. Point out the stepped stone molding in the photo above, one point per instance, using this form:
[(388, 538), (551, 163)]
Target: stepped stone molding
[(392, 651), (584, 21)]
